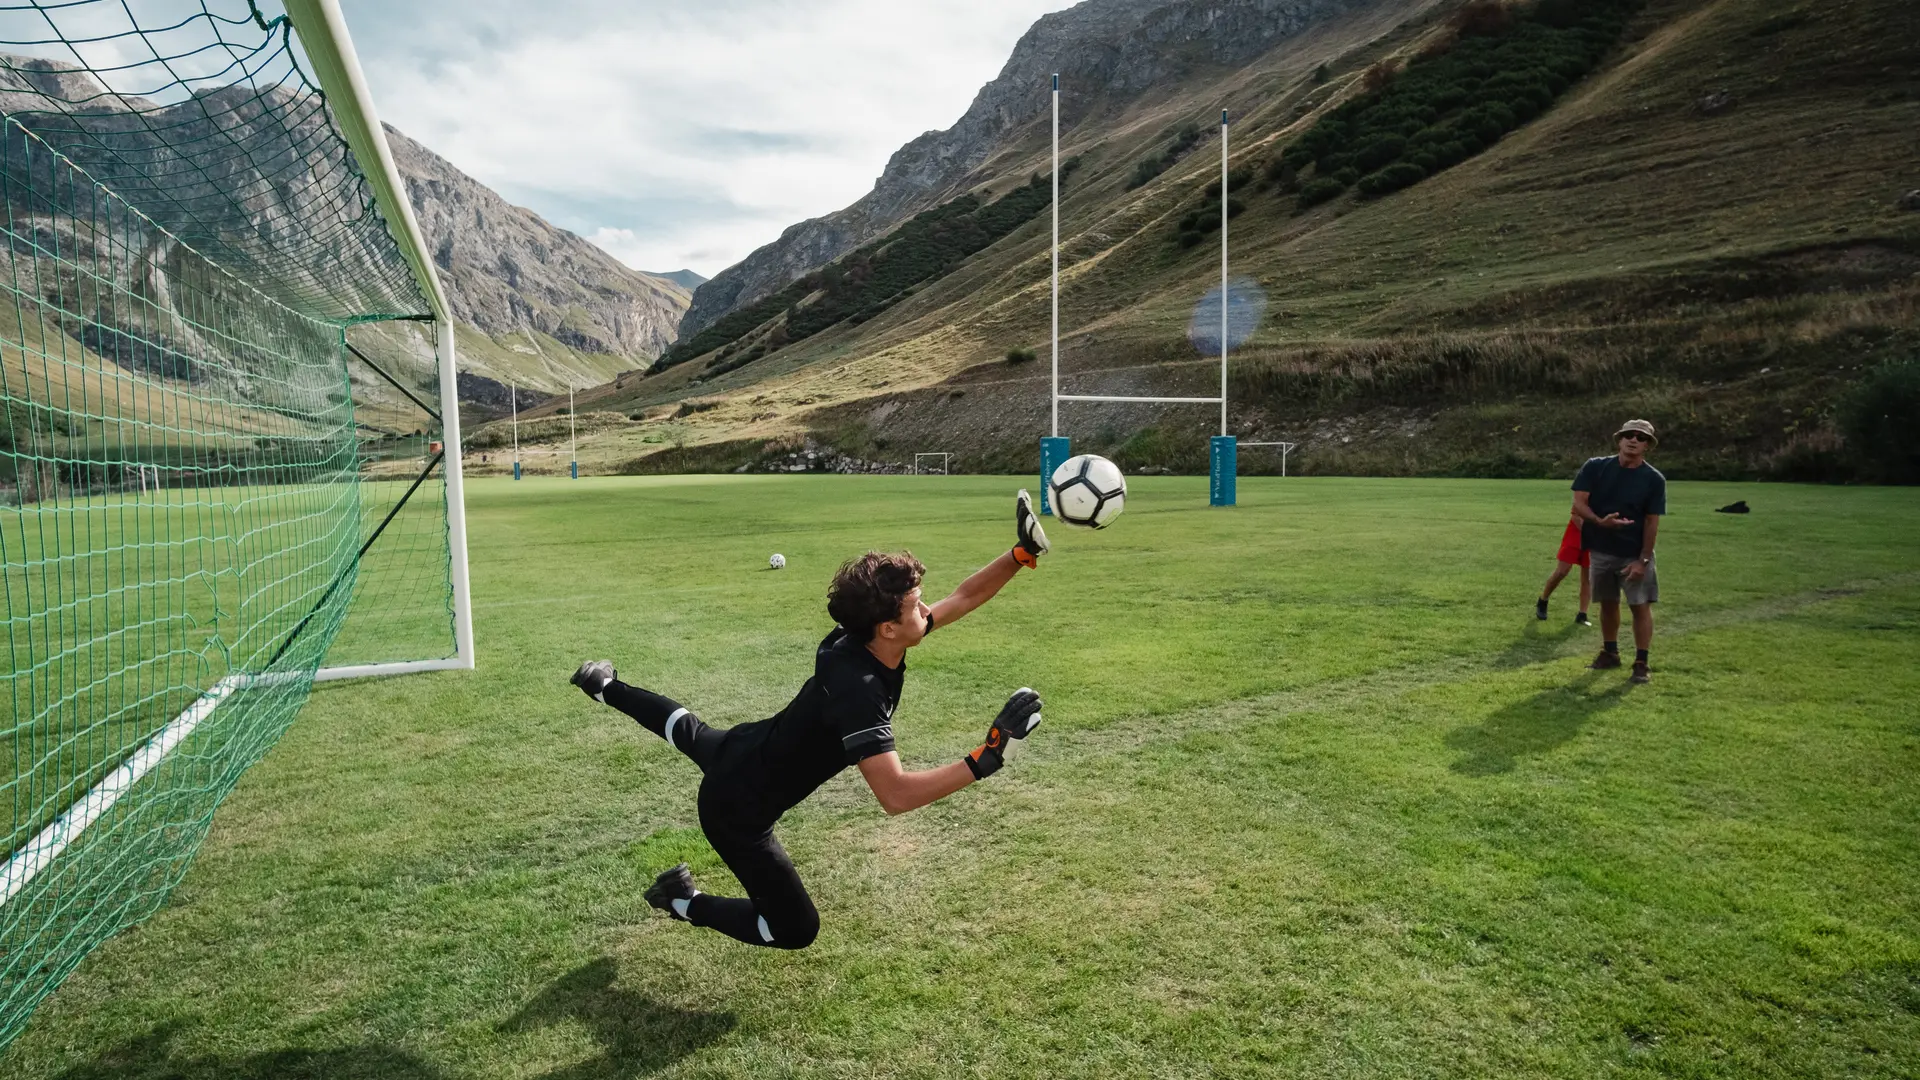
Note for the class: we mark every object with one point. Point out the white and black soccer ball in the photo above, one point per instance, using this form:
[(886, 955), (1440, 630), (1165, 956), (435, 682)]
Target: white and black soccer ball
[(1088, 490), (777, 561)]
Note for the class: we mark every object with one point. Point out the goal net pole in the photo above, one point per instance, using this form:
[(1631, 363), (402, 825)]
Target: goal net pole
[(329, 49)]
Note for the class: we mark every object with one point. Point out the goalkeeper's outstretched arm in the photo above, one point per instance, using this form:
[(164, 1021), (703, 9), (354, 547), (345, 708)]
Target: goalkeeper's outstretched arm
[(1031, 543)]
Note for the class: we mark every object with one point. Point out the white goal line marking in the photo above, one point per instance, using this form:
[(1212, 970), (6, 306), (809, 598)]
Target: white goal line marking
[(1160, 400), (66, 828)]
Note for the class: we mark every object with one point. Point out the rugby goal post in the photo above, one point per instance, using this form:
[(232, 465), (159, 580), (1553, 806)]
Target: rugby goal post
[(1055, 449)]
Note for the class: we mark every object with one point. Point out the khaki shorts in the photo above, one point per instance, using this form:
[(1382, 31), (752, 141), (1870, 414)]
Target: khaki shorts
[(1610, 580)]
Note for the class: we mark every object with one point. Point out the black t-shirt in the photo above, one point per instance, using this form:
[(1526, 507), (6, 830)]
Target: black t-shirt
[(843, 714), (1632, 493)]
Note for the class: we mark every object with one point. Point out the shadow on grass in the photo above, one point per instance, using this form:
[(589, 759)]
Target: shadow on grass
[(1538, 644), (636, 1036), (1534, 726), (151, 1057)]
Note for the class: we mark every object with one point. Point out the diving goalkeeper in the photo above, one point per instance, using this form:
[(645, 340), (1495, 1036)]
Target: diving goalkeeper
[(843, 716)]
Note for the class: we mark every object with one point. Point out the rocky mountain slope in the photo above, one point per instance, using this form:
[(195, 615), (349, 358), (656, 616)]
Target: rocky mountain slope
[(507, 271), (1108, 54)]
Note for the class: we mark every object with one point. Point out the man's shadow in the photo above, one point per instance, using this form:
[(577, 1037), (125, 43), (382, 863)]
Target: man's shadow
[(151, 1057), (636, 1036), (1533, 726), (1538, 644)]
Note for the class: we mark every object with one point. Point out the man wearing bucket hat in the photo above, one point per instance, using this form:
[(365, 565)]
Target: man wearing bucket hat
[(1619, 500)]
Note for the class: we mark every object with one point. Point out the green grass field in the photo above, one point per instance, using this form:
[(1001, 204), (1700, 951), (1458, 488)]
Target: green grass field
[(1315, 796)]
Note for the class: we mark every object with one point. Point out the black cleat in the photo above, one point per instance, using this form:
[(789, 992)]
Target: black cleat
[(1581, 620), (593, 677), (671, 885), (1540, 610)]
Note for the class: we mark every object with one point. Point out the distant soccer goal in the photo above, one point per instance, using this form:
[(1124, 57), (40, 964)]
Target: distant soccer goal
[(1285, 448), (936, 463), (229, 463)]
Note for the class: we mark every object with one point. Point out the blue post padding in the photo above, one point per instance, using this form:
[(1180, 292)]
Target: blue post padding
[(516, 470), (1053, 451), (1225, 467), (574, 470)]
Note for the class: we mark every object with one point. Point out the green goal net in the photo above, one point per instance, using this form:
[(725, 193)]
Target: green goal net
[(222, 456)]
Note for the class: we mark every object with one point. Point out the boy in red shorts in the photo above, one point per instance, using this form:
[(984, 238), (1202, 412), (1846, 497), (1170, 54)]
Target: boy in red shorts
[(1572, 554)]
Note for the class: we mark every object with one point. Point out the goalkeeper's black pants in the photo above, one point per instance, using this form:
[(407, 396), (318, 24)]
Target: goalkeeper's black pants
[(778, 912)]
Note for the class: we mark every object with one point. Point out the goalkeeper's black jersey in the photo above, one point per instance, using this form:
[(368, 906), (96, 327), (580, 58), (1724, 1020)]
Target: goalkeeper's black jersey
[(844, 713)]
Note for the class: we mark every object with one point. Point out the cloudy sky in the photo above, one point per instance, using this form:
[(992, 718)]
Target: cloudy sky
[(672, 134)]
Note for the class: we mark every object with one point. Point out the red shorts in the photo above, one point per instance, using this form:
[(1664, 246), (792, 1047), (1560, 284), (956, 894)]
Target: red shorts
[(1570, 550)]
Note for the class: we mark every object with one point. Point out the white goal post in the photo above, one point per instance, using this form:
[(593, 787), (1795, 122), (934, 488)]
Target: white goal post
[(329, 49), (945, 463)]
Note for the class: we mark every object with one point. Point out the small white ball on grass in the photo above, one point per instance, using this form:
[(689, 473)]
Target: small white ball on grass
[(778, 561)]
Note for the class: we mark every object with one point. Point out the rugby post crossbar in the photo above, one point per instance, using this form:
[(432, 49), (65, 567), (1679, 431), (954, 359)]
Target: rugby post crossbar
[(329, 49), (1156, 400)]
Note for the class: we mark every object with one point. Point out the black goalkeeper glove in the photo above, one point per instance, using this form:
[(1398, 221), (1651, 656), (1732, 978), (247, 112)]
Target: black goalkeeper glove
[(1017, 719), (1033, 540)]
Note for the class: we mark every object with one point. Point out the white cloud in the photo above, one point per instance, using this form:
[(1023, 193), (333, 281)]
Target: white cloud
[(683, 137)]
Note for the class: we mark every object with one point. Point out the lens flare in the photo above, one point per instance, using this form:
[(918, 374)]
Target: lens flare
[(1246, 306)]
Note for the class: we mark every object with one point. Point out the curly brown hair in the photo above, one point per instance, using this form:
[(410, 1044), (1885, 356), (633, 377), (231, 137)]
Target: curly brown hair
[(869, 590)]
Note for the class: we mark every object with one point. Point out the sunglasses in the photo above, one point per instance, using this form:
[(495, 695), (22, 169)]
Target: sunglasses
[(1635, 436)]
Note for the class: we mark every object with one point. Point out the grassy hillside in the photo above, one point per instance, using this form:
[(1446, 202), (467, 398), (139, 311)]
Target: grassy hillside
[(1705, 230)]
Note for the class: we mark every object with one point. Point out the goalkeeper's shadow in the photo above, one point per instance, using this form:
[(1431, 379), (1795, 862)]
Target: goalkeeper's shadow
[(636, 1035)]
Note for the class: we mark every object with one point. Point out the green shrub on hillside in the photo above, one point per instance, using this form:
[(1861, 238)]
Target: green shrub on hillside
[(1880, 419), (1021, 356), (1184, 140), (1501, 69), (1236, 179), (1205, 218), (1316, 191)]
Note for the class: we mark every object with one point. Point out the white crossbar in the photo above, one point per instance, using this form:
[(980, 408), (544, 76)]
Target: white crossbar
[(53, 839), (1158, 400)]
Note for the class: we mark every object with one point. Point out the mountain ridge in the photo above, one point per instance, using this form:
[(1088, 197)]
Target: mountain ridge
[(506, 269), (1107, 51)]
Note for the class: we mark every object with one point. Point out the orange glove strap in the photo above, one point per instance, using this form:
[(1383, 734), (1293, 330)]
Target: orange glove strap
[(1025, 558)]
